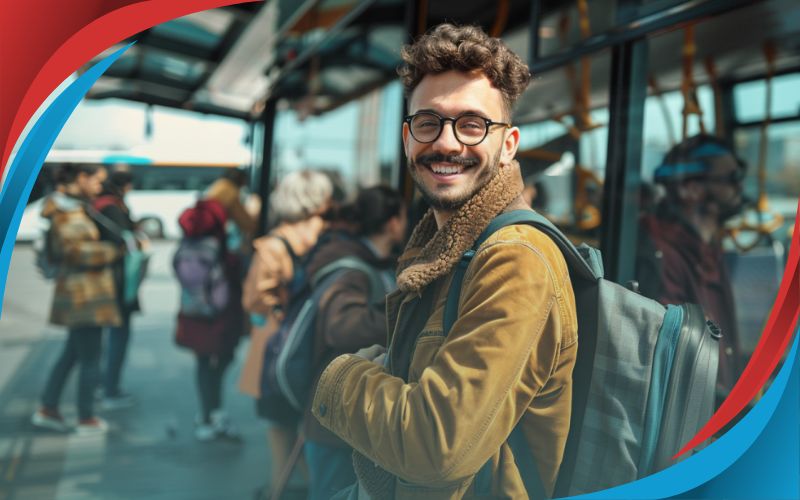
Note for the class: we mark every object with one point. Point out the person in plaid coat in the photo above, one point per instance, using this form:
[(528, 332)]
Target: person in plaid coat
[(84, 300)]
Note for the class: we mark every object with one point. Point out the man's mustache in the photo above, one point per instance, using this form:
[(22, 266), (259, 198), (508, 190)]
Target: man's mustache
[(442, 158)]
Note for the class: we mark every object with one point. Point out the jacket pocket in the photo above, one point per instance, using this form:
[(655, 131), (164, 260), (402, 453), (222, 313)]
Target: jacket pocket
[(426, 347)]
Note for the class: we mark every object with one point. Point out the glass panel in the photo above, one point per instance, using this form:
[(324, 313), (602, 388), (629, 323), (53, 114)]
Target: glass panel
[(203, 29), (163, 66), (126, 64), (782, 166), (325, 142), (663, 116), (700, 237), (560, 28), (563, 158), (751, 98), (390, 123), (519, 39)]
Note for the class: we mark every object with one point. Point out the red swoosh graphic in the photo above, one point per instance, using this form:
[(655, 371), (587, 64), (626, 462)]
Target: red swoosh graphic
[(774, 341)]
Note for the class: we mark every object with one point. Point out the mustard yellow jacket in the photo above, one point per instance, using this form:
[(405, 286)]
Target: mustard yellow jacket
[(423, 426)]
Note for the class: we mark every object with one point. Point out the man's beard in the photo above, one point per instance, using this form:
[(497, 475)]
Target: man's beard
[(724, 209), (453, 202)]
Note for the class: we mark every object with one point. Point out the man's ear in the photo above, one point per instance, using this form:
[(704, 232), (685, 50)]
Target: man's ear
[(510, 146)]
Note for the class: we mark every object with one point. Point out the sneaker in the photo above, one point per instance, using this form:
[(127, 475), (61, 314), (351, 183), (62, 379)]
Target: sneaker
[(49, 419), (204, 432), (122, 400), (94, 426), (223, 426)]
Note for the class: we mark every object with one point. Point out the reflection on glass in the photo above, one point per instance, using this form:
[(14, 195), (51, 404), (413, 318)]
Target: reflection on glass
[(560, 29)]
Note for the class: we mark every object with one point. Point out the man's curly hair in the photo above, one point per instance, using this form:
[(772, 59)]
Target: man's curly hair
[(465, 48)]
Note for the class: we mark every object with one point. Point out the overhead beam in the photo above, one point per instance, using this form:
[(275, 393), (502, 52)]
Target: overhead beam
[(637, 29)]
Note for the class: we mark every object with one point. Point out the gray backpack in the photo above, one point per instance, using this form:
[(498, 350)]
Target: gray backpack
[(643, 383)]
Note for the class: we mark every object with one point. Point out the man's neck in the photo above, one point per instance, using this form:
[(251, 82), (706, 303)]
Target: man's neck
[(442, 216)]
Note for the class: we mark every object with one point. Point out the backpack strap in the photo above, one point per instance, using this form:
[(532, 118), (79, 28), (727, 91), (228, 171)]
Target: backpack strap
[(295, 258), (123, 235), (376, 288), (583, 261), (523, 456)]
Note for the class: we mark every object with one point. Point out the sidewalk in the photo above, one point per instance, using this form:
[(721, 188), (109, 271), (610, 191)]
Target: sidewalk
[(150, 451)]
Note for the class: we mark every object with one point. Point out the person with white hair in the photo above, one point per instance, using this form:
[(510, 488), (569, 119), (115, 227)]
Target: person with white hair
[(297, 207)]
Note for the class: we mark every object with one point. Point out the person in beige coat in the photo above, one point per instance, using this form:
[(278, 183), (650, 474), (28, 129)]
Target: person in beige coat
[(297, 204)]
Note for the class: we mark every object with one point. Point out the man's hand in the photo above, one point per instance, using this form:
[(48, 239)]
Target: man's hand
[(372, 353)]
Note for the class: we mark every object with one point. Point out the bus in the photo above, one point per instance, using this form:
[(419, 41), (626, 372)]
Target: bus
[(161, 191)]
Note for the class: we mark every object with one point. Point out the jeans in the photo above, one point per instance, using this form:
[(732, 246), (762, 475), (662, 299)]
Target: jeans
[(330, 469), (210, 372), (118, 337), (82, 346)]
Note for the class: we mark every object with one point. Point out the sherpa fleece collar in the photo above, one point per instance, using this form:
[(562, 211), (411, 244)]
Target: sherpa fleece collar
[(432, 253)]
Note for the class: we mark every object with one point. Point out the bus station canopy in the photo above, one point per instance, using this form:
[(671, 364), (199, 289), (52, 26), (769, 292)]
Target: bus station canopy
[(320, 54)]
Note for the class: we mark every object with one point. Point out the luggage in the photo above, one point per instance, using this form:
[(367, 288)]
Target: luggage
[(644, 378)]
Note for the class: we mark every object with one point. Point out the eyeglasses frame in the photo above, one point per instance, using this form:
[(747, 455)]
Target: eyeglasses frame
[(452, 120)]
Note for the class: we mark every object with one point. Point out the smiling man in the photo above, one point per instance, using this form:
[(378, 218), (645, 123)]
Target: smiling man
[(433, 416)]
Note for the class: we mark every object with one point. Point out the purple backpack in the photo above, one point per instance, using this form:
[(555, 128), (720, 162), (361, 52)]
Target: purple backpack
[(199, 265)]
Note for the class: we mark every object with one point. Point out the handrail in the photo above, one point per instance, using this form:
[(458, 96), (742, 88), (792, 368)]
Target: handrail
[(501, 18), (767, 221), (659, 95), (688, 86), (713, 80)]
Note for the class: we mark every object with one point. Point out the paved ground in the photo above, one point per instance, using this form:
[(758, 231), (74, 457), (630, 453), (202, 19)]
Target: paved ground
[(151, 451)]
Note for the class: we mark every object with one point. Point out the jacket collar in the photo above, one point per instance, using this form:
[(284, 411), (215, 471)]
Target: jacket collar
[(61, 202), (432, 253)]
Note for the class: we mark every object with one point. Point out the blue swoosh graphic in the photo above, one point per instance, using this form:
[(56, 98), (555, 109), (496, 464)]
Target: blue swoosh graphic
[(31, 155), (710, 463)]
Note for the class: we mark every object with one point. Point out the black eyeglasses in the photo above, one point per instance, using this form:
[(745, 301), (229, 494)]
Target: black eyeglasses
[(469, 129)]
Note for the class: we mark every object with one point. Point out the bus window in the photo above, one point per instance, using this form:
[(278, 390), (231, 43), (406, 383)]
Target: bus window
[(701, 238), (663, 114), (561, 29), (750, 99), (563, 145)]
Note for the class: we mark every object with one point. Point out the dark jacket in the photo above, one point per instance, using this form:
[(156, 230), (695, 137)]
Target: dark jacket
[(424, 425), (112, 206), (675, 265), (346, 321)]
